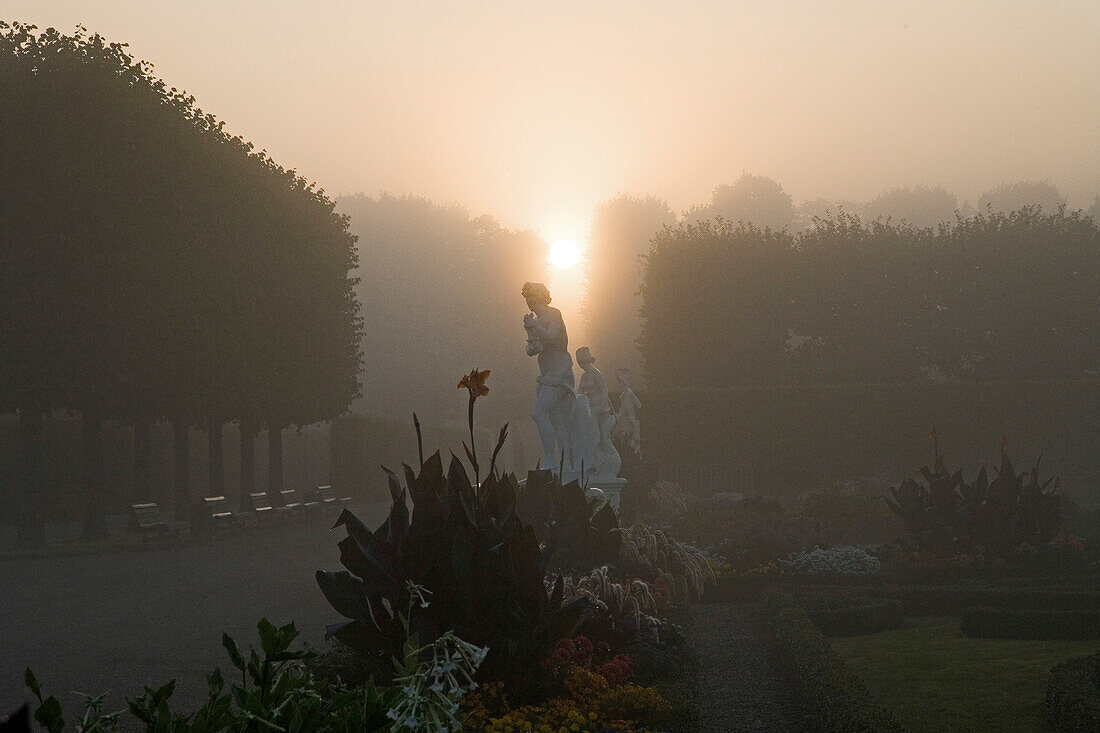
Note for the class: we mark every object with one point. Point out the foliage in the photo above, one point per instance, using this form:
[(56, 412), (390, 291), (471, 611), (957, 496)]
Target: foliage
[(275, 692), (590, 703), (923, 206), (1015, 623), (1020, 195), (465, 544), (580, 652), (1073, 695), (852, 616), (756, 200), (432, 681), (652, 555), (135, 195), (839, 560), (947, 515), (620, 612), (991, 297), (578, 532), (835, 698)]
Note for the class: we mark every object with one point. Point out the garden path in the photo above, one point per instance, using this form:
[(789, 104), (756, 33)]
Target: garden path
[(739, 686)]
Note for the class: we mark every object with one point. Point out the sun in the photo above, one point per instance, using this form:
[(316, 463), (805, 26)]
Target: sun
[(565, 253)]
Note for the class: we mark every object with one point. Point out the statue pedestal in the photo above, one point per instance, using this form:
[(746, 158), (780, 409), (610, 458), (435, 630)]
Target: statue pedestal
[(610, 489)]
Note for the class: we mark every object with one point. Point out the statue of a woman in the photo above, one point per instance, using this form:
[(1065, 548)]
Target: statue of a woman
[(557, 408), (626, 419), (593, 385)]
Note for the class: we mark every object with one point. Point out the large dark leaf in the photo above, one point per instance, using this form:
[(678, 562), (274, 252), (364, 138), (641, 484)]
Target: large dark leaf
[(345, 593), (355, 527)]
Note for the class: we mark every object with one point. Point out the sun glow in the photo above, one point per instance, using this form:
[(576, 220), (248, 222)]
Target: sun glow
[(565, 254)]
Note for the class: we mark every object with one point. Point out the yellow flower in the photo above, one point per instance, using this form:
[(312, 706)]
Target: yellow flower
[(475, 382)]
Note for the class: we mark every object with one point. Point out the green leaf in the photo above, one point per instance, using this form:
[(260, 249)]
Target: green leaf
[(235, 655), (49, 715), (269, 637), (32, 682)]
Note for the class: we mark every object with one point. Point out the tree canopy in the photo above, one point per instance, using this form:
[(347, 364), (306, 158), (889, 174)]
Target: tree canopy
[(155, 266), (999, 297)]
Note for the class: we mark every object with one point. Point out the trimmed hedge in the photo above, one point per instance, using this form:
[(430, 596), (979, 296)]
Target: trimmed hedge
[(835, 696), (1007, 623), (938, 601), (1073, 695), (854, 617)]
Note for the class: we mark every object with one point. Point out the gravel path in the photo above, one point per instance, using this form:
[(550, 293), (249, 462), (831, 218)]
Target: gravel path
[(739, 687), (120, 620)]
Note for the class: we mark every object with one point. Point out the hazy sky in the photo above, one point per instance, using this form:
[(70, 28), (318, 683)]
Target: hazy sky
[(535, 112)]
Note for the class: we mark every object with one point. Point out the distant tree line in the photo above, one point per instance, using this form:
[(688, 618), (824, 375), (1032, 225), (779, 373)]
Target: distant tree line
[(623, 228), (441, 295), (154, 267), (992, 297)]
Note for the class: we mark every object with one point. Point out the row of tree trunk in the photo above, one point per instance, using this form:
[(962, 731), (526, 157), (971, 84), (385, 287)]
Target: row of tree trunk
[(32, 515)]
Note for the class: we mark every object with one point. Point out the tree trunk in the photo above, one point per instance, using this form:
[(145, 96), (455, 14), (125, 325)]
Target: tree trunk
[(140, 477), (274, 460), (32, 517), (215, 460), (248, 463), (95, 521), (181, 455)]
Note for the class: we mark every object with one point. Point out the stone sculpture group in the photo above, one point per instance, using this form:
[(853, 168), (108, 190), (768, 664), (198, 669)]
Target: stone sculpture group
[(574, 420)]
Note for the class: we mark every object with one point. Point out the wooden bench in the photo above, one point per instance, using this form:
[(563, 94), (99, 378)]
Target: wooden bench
[(327, 499), (290, 506), (308, 508), (147, 519), (215, 515), (261, 506)]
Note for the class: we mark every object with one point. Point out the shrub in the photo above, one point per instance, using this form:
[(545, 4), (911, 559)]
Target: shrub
[(579, 533), (838, 560), (834, 696), (947, 515), (652, 555), (1011, 623), (1073, 695), (853, 616), (465, 545)]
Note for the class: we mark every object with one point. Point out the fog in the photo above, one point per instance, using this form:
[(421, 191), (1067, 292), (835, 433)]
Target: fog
[(498, 366), (535, 115)]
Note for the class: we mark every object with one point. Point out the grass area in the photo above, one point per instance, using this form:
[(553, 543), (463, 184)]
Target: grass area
[(936, 679)]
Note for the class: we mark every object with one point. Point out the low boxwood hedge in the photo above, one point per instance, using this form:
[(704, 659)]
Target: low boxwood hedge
[(1073, 695), (854, 617), (1009, 623), (832, 693)]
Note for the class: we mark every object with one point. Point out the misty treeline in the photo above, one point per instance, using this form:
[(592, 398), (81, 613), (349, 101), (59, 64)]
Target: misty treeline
[(156, 268), (440, 292), (831, 352), (623, 229), (998, 297)]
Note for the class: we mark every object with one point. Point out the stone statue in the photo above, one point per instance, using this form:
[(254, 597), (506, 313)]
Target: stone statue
[(593, 385), (561, 415), (626, 429)]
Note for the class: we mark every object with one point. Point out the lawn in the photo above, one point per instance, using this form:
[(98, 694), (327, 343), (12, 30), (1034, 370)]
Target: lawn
[(936, 679)]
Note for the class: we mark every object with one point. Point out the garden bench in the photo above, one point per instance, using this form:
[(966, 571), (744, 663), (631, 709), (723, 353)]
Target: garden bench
[(290, 505), (147, 519), (328, 500), (214, 514), (261, 506), (290, 497)]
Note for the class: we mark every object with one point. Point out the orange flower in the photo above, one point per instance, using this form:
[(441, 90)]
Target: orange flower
[(475, 382)]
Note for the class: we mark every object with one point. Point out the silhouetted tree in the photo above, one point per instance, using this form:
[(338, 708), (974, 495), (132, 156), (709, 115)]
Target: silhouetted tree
[(1094, 210), (756, 200), (157, 267), (621, 231), (1021, 194), (923, 206)]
